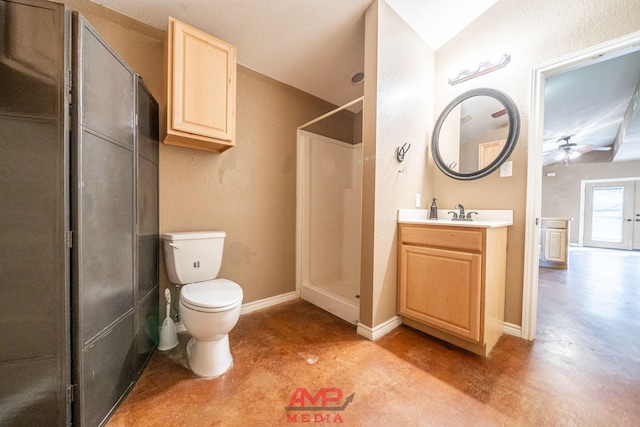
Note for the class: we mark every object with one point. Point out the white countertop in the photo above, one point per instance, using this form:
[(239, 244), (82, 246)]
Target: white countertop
[(484, 218)]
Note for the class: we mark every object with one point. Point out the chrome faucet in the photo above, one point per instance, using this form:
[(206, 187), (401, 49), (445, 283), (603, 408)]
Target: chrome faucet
[(460, 215)]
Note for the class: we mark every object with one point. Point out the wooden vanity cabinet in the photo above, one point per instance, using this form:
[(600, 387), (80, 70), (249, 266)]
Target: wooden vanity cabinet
[(451, 283), (554, 242), (201, 89)]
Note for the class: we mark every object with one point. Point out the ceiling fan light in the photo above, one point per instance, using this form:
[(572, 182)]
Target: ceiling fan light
[(560, 156), (574, 154)]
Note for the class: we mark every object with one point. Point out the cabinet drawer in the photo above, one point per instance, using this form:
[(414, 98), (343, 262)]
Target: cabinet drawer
[(470, 239), (555, 224)]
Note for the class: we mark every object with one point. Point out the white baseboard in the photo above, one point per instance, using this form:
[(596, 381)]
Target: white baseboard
[(380, 330), (511, 329), (267, 302)]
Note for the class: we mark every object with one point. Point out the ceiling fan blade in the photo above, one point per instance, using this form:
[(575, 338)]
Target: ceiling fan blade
[(587, 148)]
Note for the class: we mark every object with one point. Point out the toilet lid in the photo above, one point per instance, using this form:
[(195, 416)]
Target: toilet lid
[(218, 293)]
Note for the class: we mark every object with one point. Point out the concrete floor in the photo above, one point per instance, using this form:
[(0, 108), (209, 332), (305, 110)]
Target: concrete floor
[(582, 370)]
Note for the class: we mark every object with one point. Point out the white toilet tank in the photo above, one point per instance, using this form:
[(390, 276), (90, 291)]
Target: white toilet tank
[(193, 256)]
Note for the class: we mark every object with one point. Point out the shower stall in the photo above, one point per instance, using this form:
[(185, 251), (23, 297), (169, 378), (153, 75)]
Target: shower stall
[(329, 224)]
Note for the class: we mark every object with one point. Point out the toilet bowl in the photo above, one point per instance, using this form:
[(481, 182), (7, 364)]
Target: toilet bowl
[(209, 310), (209, 307)]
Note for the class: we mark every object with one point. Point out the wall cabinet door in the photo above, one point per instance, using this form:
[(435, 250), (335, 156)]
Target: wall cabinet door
[(442, 288), (201, 89)]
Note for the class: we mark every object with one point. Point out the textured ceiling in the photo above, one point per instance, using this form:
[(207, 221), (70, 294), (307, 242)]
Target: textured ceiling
[(589, 103)]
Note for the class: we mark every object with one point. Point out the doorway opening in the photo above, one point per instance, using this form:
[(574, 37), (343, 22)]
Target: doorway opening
[(600, 52)]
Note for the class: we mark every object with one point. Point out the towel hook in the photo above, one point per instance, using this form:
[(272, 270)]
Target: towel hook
[(401, 151)]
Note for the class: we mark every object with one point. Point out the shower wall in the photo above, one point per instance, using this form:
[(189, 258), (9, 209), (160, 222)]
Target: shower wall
[(332, 198)]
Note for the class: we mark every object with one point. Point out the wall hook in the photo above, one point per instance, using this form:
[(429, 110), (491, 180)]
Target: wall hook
[(401, 151)]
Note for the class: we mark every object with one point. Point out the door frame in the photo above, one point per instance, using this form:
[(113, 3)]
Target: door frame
[(534, 170)]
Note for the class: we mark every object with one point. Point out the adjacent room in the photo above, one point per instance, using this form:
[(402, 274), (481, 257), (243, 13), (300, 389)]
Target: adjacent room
[(282, 212)]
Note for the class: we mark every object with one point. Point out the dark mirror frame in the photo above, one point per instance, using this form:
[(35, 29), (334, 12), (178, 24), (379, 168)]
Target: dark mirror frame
[(512, 137)]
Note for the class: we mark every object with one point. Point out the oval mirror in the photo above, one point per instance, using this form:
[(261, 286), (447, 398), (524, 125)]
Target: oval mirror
[(475, 134)]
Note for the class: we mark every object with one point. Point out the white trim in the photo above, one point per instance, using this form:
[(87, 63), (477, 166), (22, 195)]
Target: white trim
[(334, 304), (300, 173), (511, 329), (380, 330), (267, 302), (534, 160)]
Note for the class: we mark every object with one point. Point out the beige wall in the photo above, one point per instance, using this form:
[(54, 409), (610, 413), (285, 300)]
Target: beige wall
[(533, 32), (247, 191), (561, 193), (398, 109)]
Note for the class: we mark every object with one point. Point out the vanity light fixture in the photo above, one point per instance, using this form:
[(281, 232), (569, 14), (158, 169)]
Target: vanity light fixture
[(481, 68)]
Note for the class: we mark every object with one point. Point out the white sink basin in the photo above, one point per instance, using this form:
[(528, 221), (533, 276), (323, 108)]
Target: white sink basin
[(483, 218)]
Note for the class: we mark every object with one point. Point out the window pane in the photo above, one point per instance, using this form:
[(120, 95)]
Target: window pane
[(606, 225)]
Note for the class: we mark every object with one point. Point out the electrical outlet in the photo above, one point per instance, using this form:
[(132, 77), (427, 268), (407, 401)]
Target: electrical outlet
[(506, 169), (417, 200)]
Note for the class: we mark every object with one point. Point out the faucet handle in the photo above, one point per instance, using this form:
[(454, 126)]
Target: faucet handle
[(469, 215), (455, 215)]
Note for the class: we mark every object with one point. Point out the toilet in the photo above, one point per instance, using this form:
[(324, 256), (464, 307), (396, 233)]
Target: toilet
[(209, 307)]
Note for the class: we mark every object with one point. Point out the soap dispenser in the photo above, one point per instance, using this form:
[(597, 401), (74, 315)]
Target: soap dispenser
[(433, 212)]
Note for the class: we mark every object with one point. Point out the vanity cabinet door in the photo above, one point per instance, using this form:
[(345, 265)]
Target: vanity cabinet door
[(555, 243), (442, 288), (201, 89)]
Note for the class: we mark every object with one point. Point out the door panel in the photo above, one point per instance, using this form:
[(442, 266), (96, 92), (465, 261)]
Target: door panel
[(147, 139), (107, 91), (104, 220), (34, 215), (609, 212), (31, 59), (108, 371), (106, 234)]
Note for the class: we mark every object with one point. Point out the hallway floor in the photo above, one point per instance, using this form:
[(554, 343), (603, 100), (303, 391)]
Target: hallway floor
[(582, 370)]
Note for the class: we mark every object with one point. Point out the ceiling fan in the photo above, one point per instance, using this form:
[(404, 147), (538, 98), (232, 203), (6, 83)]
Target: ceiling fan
[(568, 150)]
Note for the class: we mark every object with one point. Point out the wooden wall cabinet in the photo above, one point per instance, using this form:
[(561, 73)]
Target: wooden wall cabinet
[(451, 283), (201, 89), (554, 242)]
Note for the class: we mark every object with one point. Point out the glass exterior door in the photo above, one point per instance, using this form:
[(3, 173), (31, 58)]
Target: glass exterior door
[(609, 214)]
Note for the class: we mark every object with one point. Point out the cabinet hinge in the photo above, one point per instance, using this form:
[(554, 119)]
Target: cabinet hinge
[(537, 221), (69, 239), (70, 392)]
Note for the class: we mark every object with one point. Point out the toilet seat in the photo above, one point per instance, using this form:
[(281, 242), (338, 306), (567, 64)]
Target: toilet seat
[(211, 296)]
